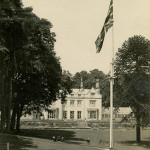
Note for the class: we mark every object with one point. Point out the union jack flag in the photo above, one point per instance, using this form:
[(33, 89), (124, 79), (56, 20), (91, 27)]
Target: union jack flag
[(107, 24)]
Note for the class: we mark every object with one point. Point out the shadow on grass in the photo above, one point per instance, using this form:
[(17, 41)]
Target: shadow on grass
[(144, 144), (15, 142), (69, 136)]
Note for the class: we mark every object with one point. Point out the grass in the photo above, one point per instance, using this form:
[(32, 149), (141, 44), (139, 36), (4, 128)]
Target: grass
[(15, 142), (76, 139)]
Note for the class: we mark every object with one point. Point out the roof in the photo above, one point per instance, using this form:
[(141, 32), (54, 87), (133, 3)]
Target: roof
[(85, 93)]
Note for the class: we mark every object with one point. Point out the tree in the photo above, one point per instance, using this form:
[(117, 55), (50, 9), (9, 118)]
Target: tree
[(29, 67), (66, 85), (8, 27), (84, 75), (104, 85), (132, 83), (89, 80)]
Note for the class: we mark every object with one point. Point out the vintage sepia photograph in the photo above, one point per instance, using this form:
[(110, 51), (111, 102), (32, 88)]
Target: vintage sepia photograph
[(74, 74)]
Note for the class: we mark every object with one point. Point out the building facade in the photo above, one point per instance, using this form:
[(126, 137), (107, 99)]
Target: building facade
[(81, 104), (118, 114)]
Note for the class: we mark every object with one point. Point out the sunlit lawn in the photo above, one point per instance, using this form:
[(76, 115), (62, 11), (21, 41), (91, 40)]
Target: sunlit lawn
[(75, 139)]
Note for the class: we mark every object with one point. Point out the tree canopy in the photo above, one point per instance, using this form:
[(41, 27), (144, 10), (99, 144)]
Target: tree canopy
[(89, 81), (132, 83), (31, 73)]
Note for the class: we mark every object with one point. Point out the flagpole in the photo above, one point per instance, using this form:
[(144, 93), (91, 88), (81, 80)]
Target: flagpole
[(111, 89), (111, 93), (99, 43)]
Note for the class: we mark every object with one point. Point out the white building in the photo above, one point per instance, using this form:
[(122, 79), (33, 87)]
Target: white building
[(118, 114), (81, 104)]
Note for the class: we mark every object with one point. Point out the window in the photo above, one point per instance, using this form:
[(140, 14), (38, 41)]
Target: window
[(92, 114), (79, 103), (36, 115), (71, 114), (116, 115), (79, 95), (72, 95), (105, 115), (92, 103), (51, 114), (64, 114), (71, 102), (92, 94), (121, 115), (79, 114)]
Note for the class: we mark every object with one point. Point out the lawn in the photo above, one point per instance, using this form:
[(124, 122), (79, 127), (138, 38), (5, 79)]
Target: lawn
[(75, 139)]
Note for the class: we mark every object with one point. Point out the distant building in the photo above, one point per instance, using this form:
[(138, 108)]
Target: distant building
[(118, 114), (81, 104)]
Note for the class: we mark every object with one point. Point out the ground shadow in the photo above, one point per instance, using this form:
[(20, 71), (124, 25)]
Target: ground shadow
[(69, 136), (144, 144), (15, 142)]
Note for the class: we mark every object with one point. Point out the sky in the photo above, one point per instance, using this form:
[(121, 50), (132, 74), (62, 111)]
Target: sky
[(77, 23)]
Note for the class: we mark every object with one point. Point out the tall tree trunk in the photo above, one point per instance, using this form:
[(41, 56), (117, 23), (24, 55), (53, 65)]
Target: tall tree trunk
[(19, 113), (3, 104), (9, 103), (3, 119), (18, 122), (138, 131), (13, 117), (1, 97)]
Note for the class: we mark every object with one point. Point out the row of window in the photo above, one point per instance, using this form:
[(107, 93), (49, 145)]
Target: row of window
[(92, 103), (91, 114), (52, 114), (72, 114), (79, 95), (116, 115)]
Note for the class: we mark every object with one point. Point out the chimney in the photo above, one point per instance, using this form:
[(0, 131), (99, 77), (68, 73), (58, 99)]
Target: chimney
[(81, 86), (97, 86)]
